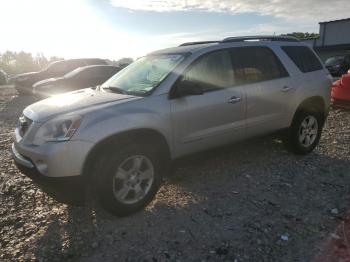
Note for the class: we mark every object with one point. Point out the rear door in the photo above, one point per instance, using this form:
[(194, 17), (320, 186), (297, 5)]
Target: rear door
[(267, 86), (313, 74), (215, 117)]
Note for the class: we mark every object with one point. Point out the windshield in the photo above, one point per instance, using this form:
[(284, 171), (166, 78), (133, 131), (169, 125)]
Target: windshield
[(334, 60), (144, 75)]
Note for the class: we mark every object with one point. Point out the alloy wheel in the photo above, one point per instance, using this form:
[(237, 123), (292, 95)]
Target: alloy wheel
[(133, 179)]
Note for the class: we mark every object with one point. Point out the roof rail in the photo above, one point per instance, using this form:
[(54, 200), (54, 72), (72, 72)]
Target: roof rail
[(260, 38), (198, 43)]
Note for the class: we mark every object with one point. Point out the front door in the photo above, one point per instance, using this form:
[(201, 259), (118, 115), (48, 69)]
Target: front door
[(216, 117)]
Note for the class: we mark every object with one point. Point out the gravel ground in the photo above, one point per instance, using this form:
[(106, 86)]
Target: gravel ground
[(251, 201)]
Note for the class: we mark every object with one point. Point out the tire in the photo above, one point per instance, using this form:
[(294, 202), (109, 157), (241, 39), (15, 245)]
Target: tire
[(111, 182), (303, 136)]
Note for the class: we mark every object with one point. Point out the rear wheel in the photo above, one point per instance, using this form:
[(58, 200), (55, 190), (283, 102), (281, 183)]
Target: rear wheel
[(305, 132), (128, 179)]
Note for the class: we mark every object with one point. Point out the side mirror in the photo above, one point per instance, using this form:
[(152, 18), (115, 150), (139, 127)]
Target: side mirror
[(187, 88)]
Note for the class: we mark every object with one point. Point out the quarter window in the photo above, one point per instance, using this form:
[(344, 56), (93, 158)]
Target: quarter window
[(303, 58), (255, 64)]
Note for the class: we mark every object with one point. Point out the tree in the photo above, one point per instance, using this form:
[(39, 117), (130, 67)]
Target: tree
[(301, 35), (21, 62)]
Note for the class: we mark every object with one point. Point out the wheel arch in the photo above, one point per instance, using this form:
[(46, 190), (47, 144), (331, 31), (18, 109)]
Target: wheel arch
[(153, 137), (314, 103)]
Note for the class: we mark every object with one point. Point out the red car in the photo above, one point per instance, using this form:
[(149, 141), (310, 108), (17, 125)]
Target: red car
[(341, 91)]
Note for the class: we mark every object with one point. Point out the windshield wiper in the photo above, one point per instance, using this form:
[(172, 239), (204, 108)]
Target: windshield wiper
[(117, 90)]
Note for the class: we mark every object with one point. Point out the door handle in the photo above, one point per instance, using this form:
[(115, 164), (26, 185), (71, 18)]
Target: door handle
[(234, 99), (286, 88)]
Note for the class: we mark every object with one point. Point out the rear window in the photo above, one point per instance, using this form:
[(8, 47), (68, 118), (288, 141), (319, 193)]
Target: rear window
[(303, 58)]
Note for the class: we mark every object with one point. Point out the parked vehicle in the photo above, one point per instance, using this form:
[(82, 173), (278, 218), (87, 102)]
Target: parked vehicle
[(24, 82), (171, 103), (3, 77), (338, 65), (341, 91), (82, 77)]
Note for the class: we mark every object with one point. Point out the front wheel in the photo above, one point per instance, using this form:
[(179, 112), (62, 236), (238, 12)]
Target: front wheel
[(305, 132), (129, 179)]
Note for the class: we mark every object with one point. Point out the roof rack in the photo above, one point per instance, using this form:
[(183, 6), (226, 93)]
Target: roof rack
[(260, 38), (247, 38), (198, 43)]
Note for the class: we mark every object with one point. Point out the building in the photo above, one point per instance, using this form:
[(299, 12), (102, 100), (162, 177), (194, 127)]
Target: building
[(334, 39)]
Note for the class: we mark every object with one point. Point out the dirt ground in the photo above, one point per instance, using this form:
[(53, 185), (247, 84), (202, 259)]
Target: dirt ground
[(251, 201)]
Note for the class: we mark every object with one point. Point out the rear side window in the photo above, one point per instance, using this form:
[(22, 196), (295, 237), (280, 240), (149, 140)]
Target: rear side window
[(255, 64), (303, 58)]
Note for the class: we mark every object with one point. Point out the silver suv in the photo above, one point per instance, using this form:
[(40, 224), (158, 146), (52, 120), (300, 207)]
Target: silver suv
[(170, 103)]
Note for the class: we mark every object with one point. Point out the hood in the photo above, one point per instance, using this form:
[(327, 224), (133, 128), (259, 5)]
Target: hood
[(47, 81), (70, 102)]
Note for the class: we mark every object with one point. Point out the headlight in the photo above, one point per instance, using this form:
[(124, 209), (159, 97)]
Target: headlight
[(57, 130)]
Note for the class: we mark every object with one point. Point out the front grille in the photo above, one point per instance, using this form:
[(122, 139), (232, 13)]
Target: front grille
[(24, 124)]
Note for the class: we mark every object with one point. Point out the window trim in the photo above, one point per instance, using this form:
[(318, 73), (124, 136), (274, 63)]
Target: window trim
[(228, 49)]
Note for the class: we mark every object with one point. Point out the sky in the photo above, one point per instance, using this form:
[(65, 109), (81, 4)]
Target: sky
[(131, 28)]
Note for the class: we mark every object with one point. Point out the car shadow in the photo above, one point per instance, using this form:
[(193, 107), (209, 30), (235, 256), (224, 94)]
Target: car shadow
[(250, 201)]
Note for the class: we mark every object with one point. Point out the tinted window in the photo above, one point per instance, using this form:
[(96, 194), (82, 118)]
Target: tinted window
[(100, 71), (64, 66), (212, 71), (56, 67), (303, 57), (95, 62), (254, 64), (92, 72), (109, 71)]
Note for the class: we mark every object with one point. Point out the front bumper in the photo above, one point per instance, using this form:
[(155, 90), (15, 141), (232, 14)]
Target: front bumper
[(21, 160), (69, 190), (53, 159), (27, 167)]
